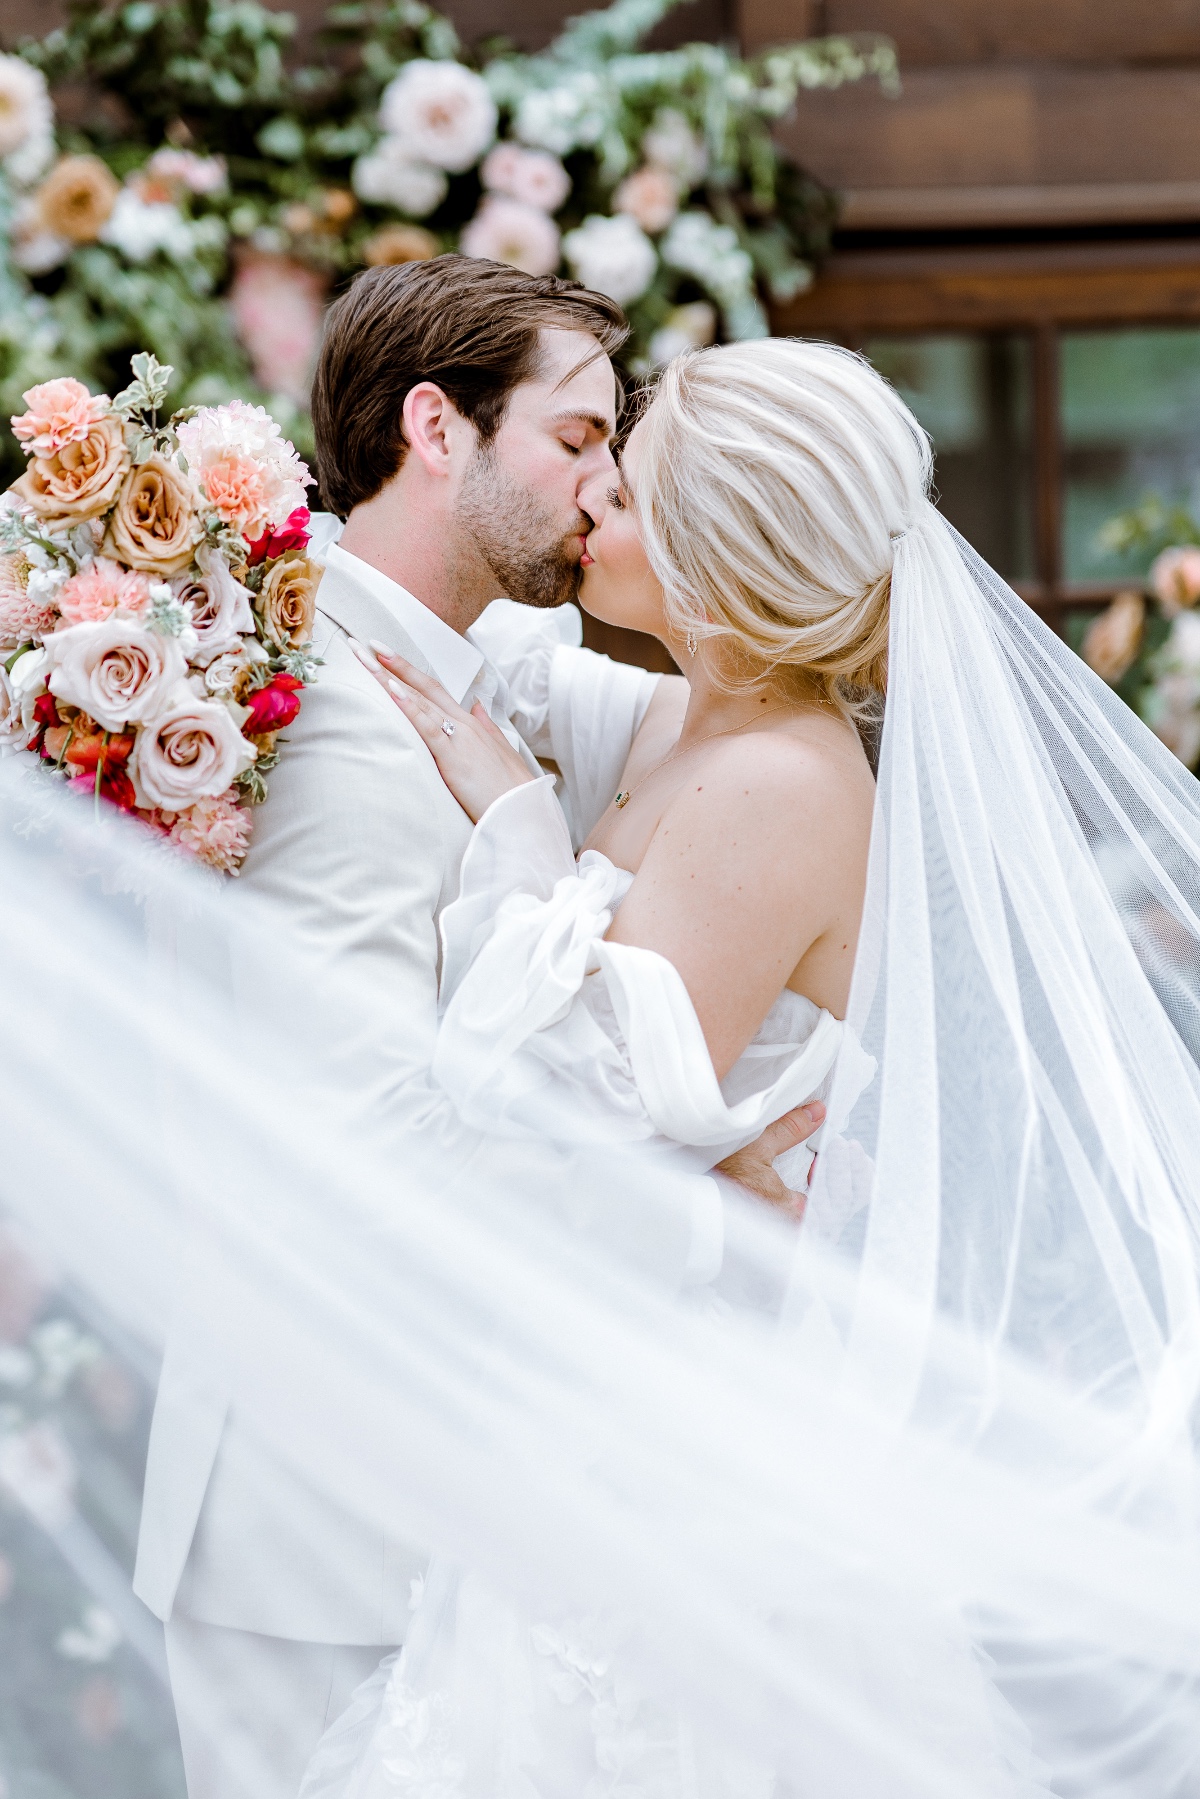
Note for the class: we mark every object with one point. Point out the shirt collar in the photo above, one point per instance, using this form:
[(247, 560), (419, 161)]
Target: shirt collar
[(453, 659)]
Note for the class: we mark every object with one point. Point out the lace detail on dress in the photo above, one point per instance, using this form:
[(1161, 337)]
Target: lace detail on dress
[(416, 1747)]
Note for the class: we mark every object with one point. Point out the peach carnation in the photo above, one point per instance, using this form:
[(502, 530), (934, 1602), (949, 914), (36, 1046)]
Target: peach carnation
[(60, 412), (238, 489), (99, 591), (215, 831), (21, 615)]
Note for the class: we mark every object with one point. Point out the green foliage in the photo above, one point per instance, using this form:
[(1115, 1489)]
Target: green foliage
[(215, 77)]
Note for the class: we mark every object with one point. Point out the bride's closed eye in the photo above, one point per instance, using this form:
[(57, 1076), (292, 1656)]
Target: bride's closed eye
[(615, 499)]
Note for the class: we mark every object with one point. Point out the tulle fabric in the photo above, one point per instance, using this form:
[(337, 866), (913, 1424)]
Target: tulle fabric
[(949, 1426)]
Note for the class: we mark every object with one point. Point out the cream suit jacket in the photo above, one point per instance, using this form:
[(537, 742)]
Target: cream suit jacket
[(358, 847)]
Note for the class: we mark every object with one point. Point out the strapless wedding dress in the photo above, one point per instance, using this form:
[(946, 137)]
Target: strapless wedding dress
[(547, 1028)]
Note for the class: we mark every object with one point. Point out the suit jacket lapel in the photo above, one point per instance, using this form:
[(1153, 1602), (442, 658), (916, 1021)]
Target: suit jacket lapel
[(358, 614)]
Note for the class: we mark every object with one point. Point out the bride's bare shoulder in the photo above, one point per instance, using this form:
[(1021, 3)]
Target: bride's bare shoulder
[(808, 767)]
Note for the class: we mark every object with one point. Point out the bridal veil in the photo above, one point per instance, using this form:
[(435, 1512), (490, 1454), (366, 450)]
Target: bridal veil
[(951, 1420)]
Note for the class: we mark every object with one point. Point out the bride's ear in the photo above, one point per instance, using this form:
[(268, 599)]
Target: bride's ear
[(432, 423)]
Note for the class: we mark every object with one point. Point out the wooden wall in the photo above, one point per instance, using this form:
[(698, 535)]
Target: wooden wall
[(1013, 112)]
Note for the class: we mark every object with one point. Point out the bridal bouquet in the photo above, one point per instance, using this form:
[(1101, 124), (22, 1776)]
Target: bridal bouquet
[(156, 604)]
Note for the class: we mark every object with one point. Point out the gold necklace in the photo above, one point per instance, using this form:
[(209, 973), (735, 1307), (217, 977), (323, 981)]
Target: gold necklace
[(622, 799)]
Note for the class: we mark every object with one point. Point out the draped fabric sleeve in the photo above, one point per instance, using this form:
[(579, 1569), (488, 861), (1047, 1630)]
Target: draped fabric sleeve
[(546, 1027), (574, 708)]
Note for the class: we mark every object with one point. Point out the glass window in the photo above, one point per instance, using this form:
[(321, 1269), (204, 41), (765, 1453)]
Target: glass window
[(1131, 426), (972, 394)]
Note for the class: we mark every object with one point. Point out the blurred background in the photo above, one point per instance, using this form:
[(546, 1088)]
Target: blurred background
[(997, 201)]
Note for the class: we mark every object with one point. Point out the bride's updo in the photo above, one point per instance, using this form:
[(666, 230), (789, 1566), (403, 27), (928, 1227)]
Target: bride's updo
[(773, 478)]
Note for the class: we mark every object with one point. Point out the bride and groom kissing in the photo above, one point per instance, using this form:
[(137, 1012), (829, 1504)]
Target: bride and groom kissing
[(600, 905)]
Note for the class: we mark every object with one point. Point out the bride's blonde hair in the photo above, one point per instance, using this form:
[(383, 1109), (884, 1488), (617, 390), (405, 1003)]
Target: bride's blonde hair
[(773, 480)]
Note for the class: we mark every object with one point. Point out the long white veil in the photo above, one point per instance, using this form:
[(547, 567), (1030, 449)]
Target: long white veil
[(953, 1417)]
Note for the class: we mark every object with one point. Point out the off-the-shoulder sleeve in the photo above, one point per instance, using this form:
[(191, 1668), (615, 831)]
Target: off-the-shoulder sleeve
[(574, 708), (548, 1029)]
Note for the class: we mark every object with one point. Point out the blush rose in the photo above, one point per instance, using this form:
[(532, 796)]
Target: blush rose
[(191, 750), (115, 669)]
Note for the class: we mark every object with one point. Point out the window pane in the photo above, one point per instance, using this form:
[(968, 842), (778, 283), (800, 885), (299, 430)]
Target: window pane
[(971, 393), (1131, 426)]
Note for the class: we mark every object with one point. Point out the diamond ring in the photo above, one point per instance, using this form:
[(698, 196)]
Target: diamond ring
[(447, 727)]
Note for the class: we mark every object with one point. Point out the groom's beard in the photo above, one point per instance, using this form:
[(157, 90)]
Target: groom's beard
[(525, 547)]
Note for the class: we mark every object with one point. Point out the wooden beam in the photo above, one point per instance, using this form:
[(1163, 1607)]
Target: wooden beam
[(975, 208), (858, 293)]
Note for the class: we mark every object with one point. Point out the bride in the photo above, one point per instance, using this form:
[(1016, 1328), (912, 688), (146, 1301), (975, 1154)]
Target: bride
[(698, 972)]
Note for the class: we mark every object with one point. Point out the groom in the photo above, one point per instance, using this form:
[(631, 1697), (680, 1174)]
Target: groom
[(460, 407)]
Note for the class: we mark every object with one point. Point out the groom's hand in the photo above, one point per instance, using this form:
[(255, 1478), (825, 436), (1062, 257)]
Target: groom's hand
[(474, 757), (752, 1167)]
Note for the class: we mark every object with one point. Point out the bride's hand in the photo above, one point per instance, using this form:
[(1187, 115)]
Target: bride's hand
[(473, 756), (751, 1167)]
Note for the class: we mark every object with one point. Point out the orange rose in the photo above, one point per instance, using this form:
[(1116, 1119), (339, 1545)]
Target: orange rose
[(154, 525), (288, 601), (82, 479), (1114, 639)]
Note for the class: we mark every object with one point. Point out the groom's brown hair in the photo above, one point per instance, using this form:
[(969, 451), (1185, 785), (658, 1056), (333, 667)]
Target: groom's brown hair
[(469, 326)]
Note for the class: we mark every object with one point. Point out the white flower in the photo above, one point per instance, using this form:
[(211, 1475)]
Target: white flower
[(11, 726), (390, 176), (671, 144), (115, 670), (568, 117), (183, 168), (223, 671), (26, 681), (191, 750), (696, 245), (442, 112), (26, 120), (34, 249), (38, 1470), (505, 231), (93, 1640), (219, 606), (139, 228), (533, 177), (614, 256), (687, 328)]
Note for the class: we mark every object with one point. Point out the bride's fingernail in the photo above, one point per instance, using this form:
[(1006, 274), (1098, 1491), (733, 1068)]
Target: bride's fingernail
[(381, 649), (400, 692)]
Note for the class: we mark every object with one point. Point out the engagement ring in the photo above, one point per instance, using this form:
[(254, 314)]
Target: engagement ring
[(447, 727)]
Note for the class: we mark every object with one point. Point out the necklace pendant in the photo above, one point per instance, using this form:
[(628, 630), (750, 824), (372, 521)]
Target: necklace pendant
[(622, 799)]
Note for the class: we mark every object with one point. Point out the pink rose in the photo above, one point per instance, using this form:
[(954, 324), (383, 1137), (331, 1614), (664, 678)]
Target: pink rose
[(239, 490), (60, 412), (114, 669), (1175, 578), (192, 750), (533, 177), (278, 306), (504, 230), (221, 612), (99, 591), (650, 196)]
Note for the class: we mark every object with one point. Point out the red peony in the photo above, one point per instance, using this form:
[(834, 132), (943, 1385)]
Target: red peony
[(274, 706), (291, 535)]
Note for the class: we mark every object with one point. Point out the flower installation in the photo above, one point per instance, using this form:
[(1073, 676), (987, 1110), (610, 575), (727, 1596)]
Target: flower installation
[(1146, 644), (209, 194), (156, 604)]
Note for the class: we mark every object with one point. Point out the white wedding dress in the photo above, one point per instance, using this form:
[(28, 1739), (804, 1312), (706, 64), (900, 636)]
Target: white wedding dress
[(543, 1020)]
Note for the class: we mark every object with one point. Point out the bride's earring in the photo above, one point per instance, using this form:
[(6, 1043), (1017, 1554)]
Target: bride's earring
[(692, 645)]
